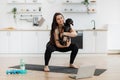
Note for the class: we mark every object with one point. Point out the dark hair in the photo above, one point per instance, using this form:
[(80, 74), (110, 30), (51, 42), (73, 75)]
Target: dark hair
[(53, 27)]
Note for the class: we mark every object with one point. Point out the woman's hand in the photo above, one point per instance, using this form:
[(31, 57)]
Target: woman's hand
[(68, 43), (65, 38)]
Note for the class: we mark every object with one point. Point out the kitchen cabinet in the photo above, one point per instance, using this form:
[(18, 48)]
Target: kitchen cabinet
[(14, 42), (23, 41), (43, 38), (10, 42), (33, 41), (94, 41), (101, 42), (29, 41), (4, 42), (88, 42)]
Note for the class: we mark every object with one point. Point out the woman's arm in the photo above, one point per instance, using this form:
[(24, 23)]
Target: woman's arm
[(72, 33), (57, 40)]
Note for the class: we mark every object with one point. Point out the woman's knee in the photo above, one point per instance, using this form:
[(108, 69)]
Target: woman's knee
[(50, 48), (74, 47)]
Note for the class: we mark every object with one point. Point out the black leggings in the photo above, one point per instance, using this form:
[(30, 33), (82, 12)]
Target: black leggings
[(51, 48)]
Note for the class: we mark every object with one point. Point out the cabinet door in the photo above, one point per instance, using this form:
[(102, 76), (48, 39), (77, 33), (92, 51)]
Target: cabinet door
[(88, 42), (29, 42), (101, 42), (4, 42), (42, 41), (14, 45)]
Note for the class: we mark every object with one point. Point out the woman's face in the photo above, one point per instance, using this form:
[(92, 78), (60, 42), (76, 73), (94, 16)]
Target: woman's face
[(60, 20)]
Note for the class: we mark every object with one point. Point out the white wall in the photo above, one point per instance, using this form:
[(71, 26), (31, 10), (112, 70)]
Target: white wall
[(108, 12)]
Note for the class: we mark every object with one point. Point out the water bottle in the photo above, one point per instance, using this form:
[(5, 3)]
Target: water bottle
[(22, 64)]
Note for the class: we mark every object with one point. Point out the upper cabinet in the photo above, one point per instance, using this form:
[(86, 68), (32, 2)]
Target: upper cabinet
[(79, 6)]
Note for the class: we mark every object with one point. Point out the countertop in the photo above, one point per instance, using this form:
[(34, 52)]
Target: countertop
[(40, 29)]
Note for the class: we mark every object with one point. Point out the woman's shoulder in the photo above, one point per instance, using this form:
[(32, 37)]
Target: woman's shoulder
[(56, 31)]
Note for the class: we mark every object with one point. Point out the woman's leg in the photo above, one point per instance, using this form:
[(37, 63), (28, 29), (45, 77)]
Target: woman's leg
[(74, 52), (49, 49)]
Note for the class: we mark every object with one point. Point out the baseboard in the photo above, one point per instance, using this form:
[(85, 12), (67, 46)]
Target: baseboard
[(113, 51)]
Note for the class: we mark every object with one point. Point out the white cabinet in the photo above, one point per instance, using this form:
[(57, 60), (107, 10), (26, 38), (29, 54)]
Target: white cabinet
[(34, 41), (94, 41), (23, 41), (29, 41), (14, 42), (3, 42), (42, 40), (101, 42), (10, 42), (88, 42)]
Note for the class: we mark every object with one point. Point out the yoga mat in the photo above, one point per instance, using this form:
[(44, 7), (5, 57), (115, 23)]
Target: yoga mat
[(57, 69)]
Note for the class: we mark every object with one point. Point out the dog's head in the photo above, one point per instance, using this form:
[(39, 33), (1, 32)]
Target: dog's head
[(67, 24), (69, 21)]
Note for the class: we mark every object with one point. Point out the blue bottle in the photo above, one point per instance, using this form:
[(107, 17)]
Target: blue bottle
[(14, 71)]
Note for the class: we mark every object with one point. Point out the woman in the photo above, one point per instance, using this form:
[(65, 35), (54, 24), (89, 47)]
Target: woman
[(54, 44)]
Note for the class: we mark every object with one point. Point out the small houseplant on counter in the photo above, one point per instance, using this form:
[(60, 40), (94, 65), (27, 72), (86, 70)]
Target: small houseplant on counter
[(14, 11)]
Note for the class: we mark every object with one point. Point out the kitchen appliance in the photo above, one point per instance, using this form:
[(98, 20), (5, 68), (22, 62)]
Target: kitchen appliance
[(35, 21)]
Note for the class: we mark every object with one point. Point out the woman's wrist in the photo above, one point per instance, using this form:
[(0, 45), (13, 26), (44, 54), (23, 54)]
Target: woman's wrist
[(63, 34)]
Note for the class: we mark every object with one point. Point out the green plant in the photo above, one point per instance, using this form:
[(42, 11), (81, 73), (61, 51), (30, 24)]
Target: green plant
[(85, 2), (14, 11)]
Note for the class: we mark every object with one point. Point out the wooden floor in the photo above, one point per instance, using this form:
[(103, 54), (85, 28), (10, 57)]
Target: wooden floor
[(109, 62)]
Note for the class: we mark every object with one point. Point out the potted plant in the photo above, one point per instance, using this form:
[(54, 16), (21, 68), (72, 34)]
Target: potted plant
[(85, 2), (14, 11)]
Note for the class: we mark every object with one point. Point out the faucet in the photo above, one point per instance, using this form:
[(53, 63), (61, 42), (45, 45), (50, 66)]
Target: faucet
[(94, 24)]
